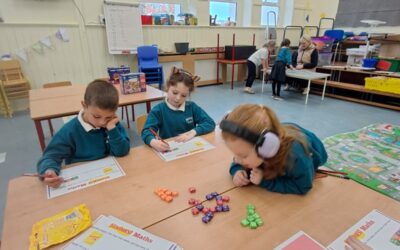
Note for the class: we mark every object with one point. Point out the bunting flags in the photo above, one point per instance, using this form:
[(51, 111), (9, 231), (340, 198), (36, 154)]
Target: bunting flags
[(38, 47)]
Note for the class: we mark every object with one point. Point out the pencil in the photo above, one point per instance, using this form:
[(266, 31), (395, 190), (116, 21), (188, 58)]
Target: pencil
[(34, 175), (331, 172), (157, 136), (336, 175)]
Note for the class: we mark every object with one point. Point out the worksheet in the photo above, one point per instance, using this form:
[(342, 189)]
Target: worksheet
[(183, 149), (375, 230), (300, 241), (109, 232), (86, 175)]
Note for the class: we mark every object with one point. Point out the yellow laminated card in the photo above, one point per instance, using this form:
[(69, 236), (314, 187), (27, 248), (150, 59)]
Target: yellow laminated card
[(60, 227)]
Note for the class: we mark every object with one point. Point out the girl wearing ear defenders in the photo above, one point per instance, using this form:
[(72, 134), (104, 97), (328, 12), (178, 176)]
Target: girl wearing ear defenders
[(280, 157), (176, 117)]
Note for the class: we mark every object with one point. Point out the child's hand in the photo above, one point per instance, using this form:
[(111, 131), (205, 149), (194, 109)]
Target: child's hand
[(112, 123), (51, 179), (300, 66), (355, 244), (159, 145), (186, 136), (256, 175), (240, 178)]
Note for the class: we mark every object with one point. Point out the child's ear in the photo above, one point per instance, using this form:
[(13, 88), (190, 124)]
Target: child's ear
[(84, 105)]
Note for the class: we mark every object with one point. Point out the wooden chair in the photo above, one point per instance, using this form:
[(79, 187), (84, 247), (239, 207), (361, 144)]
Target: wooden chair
[(55, 85), (16, 86), (5, 106), (140, 121)]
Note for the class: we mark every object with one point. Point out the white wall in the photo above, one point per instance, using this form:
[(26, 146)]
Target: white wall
[(85, 57)]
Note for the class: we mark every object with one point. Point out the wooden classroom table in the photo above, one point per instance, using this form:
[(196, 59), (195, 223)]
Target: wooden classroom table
[(305, 75), (242, 67), (328, 210), (129, 198), (40, 94), (57, 102)]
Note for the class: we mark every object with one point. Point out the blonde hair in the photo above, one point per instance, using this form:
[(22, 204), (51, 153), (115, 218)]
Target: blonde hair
[(305, 38), (270, 44), (257, 118)]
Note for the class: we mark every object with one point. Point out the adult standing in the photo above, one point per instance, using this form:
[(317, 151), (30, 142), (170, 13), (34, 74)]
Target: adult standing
[(260, 57), (306, 58)]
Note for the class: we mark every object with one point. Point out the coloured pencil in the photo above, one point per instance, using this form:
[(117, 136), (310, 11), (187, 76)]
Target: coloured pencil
[(157, 136)]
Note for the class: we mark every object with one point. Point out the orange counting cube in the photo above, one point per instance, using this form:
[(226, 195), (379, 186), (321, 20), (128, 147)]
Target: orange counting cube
[(174, 193), (168, 192), (168, 199)]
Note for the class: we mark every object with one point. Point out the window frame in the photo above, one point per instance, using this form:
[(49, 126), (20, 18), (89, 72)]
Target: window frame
[(226, 1), (270, 4)]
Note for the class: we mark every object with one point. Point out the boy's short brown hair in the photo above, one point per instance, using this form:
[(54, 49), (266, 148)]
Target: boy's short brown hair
[(102, 94)]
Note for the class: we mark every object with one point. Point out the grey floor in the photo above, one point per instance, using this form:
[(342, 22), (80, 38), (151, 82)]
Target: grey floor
[(19, 140)]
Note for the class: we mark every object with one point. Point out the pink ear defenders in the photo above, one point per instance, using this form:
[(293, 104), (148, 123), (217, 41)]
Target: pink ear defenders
[(267, 143)]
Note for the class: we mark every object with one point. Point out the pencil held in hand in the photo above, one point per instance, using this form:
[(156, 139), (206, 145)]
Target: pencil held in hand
[(157, 136)]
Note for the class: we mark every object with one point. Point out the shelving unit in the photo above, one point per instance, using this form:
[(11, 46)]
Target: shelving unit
[(350, 85)]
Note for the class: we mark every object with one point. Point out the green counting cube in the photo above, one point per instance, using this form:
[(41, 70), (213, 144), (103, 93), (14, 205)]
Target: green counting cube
[(259, 222), (245, 223), (253, 225)]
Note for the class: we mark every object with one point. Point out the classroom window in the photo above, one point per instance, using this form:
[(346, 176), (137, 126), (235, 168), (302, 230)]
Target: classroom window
[(267, 7), (160, 8), (224, 10)]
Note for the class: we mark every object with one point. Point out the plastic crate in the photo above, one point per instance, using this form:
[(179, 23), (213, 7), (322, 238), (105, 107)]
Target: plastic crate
[(325, 59), (395, 64), (384, 84)]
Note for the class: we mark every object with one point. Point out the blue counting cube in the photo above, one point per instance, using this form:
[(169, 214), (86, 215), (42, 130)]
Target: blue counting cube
[(215, 194), (206, 219), (200, 207), (225, 208), (219, 208), (210, 214), (218, 197), (209, 197)]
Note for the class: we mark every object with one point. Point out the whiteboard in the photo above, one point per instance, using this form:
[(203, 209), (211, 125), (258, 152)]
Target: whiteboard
[(123, 28)]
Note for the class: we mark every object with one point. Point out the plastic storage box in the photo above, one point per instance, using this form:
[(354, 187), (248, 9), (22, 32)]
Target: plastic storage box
[(325, 58), (384, 84)]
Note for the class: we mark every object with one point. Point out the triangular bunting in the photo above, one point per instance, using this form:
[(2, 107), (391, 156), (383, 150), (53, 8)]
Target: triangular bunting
[(22, 54), (37, 47), (46, 41), (62, 35)]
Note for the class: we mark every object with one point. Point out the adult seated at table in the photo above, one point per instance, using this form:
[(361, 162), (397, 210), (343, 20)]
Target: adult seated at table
[(306, 58)]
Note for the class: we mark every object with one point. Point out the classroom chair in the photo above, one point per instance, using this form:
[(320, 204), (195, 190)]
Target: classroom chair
[(15, 85), (55, 85), (148, 64), (140, 121), (338, 35)]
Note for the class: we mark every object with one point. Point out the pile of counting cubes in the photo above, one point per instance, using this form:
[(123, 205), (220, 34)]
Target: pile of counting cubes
[(253, 220), (165, 194), (210, 211)]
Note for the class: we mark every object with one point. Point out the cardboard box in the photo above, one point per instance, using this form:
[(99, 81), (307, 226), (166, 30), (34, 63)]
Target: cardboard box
[(133, 83), (115, 72)]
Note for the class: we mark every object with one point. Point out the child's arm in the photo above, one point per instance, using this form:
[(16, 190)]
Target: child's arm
[(288, 58), (314, 60), (118, 140), (59, 148), (203, 122), (239, 174), (153, 122), (299, 177)]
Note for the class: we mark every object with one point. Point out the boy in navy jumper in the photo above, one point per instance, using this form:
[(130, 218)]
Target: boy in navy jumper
[(95, 133), (176, 117), (280, 157)]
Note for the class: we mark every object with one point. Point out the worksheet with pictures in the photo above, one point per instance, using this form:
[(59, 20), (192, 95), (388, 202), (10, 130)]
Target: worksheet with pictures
[(183, 149), (376, 230), (109, 232), (86, 175)]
